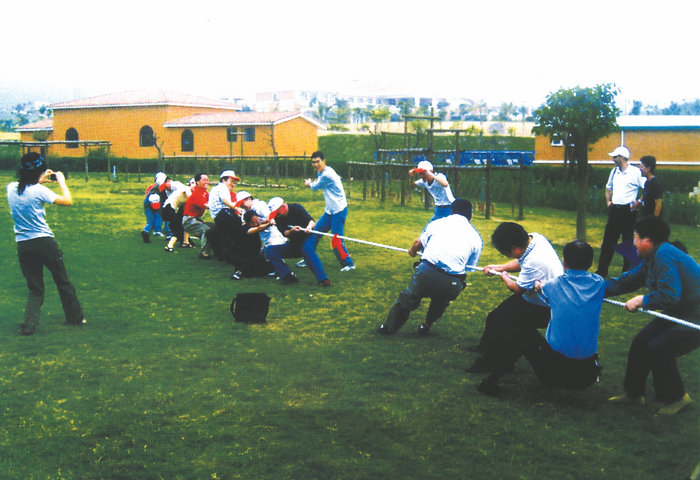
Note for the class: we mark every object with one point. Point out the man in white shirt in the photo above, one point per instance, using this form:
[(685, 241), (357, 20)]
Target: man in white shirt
[(450, 246), (536, 260), (437, 185), (621, 193), (222, 208)]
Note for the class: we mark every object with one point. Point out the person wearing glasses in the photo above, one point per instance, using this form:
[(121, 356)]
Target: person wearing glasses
[(621, 193)]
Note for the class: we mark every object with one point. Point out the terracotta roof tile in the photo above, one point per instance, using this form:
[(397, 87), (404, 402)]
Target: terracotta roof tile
[(237, 118), (143, 98), (41, 125)]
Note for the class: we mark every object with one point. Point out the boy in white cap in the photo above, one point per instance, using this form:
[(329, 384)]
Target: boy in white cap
[(437, 185), (621, 193)]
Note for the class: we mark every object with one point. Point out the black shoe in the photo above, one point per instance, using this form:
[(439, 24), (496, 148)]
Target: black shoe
[(289, 279), (489, 386), (22, 330), (77, 324), (480, 365), (204, 256), (423, 331), (146, 237), (382, 330)]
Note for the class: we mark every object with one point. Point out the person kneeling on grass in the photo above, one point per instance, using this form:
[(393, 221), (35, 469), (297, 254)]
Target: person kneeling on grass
[(566, 357), (673, 280), (450, 245)]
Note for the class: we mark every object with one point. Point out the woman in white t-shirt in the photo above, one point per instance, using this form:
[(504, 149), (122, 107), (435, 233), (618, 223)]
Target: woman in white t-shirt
[(36, 246)]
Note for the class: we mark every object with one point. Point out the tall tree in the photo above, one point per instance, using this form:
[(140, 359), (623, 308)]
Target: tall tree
[(582, 116)]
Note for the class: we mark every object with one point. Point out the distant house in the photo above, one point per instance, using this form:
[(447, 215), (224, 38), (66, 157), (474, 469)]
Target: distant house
[(130, 124), (672, 139)]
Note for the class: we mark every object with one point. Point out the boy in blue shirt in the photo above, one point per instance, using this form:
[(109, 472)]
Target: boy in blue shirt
[(566, 357)]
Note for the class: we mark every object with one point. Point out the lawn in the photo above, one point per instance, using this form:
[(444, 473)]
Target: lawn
[(162, 383)]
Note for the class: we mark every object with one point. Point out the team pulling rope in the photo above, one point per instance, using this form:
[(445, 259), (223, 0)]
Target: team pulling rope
[(476, 268)]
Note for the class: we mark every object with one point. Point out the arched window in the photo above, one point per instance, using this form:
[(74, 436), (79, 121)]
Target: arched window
[(72, 136), (187, 141), (146, 137)]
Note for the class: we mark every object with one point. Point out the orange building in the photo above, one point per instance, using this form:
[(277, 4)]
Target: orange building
[(672, 139), (131, 124)]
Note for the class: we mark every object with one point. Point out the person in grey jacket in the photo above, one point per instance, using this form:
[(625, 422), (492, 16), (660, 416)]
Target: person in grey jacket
[(673, 279)]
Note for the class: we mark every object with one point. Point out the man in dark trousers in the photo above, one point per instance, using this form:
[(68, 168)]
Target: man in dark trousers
[(621, 196), (295, 223), (672, 278)]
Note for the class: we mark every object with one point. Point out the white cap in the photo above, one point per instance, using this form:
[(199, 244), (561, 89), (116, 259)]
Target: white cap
[(160, 178), (424, 166), (621, 152), (229, 173), (275, 203), (240, 196)]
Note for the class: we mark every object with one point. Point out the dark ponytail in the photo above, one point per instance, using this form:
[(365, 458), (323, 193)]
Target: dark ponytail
[(31, 167)]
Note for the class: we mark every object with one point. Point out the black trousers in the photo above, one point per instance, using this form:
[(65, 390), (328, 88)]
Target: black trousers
[(508, 332), (620, 223), (557, 370), (174, 218), (33, 256), (654, 350)]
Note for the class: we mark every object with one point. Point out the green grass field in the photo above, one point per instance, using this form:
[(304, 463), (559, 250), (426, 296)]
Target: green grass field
[(162, 383)]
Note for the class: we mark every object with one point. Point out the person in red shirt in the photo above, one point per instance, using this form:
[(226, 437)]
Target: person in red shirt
[(195, 207)]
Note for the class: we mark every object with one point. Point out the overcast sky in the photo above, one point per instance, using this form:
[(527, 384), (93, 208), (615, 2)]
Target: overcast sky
[(498, 51)]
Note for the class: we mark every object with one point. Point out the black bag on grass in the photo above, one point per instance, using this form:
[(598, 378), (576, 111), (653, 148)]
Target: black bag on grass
[(250, 307)]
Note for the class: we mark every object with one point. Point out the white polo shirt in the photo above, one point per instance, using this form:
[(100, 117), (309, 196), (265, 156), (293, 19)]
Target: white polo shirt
[(625, 185), (452, 244), (539, 262), (442, 195)]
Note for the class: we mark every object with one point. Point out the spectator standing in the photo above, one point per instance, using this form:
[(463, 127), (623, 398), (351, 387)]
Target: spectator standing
[(621, 193), (652, 196)]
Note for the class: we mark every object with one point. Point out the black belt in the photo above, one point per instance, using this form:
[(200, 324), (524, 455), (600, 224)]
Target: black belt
[(435, 267), (617, 207)]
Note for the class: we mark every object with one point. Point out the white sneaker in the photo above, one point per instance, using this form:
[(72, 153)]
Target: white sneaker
[(301, 264), (158, 234), (347, 268)]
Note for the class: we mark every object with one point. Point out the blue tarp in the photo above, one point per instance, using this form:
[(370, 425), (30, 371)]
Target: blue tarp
[(472, 157)]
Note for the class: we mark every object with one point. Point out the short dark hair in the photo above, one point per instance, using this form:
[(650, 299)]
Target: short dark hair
[(509, 235), (578, 255), (198, 177), (317, 154), (653, 228), (649, 161), (248, 216), (462, 206)]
